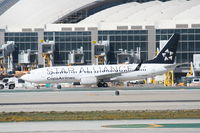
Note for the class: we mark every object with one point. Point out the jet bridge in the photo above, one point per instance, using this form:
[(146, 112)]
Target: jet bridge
[(76, 57), (48, 48), (27, 60), (101, 50), (125, 57), (6, 57)]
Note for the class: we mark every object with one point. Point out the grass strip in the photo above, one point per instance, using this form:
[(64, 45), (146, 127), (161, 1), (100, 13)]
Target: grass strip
[(98, 115)]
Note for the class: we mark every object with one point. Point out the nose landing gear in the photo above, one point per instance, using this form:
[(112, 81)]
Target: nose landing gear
[(59, 87)]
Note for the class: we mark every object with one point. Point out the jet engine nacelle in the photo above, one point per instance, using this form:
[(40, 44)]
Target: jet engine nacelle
[(88, 80)]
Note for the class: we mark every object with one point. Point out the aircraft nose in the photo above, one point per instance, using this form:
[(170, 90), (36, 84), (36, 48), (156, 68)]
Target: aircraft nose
[(25, 77)]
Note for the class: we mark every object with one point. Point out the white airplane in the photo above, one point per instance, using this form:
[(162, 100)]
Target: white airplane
[(101, 74)]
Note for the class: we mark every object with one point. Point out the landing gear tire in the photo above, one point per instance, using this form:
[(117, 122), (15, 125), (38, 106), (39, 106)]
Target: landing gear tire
[(117, 93), (102, 84), (59, 87), (11, 86), (105, 85), (1, 87)]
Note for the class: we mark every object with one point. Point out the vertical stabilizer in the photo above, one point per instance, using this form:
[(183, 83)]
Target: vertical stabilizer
[(168, 53)]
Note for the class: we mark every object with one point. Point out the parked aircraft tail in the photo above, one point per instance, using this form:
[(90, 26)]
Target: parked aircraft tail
[(168, 53)]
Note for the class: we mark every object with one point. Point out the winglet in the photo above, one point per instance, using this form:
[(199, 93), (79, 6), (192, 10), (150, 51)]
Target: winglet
[(138, 66)]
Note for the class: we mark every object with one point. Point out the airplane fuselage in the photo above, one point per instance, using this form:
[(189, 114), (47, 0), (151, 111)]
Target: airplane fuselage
[(70, 74)]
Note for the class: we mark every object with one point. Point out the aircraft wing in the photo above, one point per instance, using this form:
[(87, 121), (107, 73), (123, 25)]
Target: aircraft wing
[(108, 76)]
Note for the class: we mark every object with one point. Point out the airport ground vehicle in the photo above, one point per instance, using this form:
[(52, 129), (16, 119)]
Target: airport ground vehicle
[(196, 80), (6, 82), (11, 83)]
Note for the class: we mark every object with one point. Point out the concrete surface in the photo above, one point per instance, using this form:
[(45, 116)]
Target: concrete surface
[(95, 127), (100, 100)]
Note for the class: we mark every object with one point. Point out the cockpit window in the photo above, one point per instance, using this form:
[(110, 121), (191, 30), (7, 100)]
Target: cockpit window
[(21, 81), (28, 72)]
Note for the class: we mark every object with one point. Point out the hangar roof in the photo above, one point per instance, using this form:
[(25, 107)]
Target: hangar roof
[(42, 13), (159, 14), (37, 13)]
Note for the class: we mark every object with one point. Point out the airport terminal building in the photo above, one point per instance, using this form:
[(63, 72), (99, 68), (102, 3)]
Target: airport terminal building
[(127, 24)]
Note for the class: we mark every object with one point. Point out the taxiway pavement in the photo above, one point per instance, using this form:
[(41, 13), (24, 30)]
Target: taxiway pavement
[(145, 126), (100, 100)]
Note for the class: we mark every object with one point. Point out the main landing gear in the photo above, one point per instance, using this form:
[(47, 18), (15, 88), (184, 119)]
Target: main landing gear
[(102, 84), (59, 87)]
